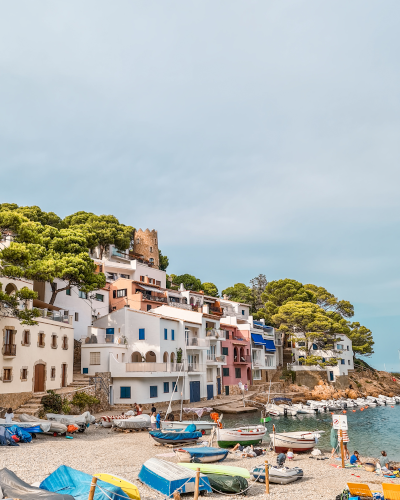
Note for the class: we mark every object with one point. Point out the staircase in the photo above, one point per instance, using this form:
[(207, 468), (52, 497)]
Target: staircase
[(32, 407)]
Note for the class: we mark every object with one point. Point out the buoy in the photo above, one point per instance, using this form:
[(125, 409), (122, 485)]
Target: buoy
[(392, 407), (361, 409), (354, 411), (344, 411), (331, 412)]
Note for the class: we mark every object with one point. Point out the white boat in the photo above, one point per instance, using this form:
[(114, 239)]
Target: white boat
[(276, 410), (305, 409), (41, 427), (82, 421), (278, 475), (55, 427), (201, 425), (297, 441), (136, 422), (246, 435)]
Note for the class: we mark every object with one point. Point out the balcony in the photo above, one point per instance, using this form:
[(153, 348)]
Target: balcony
[(120, 254), (153, 367), (54, 315), (258, 362), (193, 342), (214, 334), (212, 358), (154, 298), (9, 350), (180, 305), (215, 310), (193, 368), (243, 359)]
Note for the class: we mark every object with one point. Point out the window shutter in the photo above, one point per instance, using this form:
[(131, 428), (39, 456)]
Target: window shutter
[(141, 334), (166, 386), (94, 358), (153, 391), (172, 334)]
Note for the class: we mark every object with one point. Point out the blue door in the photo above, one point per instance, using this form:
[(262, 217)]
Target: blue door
[(331, 376), (210, 391), (219, 385), (194, 392)]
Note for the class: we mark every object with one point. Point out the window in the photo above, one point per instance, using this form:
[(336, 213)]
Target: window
[(172, 334), (174, 387), (26, 337), (339, 346), (165, 334), (122, 292), (256, 374), (125, 393), (225, 351), (126, 276), (225, 372), (41, 339), (141, 334), (166, 387), (65, 343), (301, 344), (348, 361), (153, 391), (242, 312), (148, 307), (7, 374), (151, 249), (227, 334), (24, 374), (151, 260), (53, 372), (54, 341), (315, 347), (101, 268), (85, 371), (142, 278), (348, 348), (158, 283), (342, 361), (238, 372), (94, 358), (68, 291), (99, 297), (76, 316), (82, 295), (137, 241)]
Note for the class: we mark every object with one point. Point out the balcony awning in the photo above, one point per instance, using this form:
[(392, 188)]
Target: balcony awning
[(269, 345), (150, 289), (257, 339)]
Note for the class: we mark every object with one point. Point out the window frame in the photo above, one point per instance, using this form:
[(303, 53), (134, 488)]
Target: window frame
[(91, 359), (124, 293), (225, 371)]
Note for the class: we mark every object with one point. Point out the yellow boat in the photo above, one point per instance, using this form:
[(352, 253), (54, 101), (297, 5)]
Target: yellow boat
[(129, 488)]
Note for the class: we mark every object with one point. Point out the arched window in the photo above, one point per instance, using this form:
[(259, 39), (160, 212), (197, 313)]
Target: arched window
[(136, 357), (172, 357), (235, 354), (165, 357), (10, 289), (150, 357)]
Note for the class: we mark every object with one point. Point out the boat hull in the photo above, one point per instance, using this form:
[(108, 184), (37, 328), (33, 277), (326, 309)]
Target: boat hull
[(201, 425), (204, 455), (299, 444), (277, 475), (244, 436), (174, 441), (129, 488)]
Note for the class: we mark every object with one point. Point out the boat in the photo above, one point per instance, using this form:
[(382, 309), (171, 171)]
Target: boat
[(167, 477), (226, 470), (228, 484), (136, 422), (82, 421), (279, 475), (177, 436), (202, 454), (76, 483), (277, 410), (31, 427), (297, 441), (246, 435), (55, 427), (305, 409), (201, 425), (11, 486), (129, 488)]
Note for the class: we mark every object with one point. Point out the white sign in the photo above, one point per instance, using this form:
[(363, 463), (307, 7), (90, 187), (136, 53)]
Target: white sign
[(340, 422)]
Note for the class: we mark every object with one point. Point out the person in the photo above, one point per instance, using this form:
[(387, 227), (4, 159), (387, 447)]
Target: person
[(346, 439), (384, 461), (139, 410), (158, 420), (334, 441), (9, 416), (153, 420), (290, 454), (355, 458), (153, 409), (135, 408), (248, 451), (281, 459)]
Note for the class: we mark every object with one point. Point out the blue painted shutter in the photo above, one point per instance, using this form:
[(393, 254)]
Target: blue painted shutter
[(141, 334), (165, 334), (153, 391), (172, 334), (166, 386), (125, 392), (174, 387)]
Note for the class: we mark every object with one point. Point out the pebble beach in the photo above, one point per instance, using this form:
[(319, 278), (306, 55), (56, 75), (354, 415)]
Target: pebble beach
[(101, 450)]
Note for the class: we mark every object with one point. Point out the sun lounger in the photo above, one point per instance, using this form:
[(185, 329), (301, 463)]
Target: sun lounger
[(391, 491), (361, 490)]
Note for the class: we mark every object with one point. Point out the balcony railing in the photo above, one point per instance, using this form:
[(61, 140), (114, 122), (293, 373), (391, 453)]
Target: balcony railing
[(194, 367), (54, 315), (258, 362), (147, 296), (245, 358), (119, 254), (180, 305), (9, 350), (214, 333), (153, 367), (196, 342), (217, 359)]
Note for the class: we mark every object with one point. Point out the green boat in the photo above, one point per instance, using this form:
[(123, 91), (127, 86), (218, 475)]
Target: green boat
[(225, 470)]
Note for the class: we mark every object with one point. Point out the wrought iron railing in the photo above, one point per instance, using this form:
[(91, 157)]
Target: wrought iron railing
[(9, 350)]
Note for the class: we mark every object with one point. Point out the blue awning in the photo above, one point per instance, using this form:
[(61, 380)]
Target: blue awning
[(257, 339), (269, 345)]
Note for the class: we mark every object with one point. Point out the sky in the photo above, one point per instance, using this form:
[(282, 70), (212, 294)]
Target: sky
[(256, 136)]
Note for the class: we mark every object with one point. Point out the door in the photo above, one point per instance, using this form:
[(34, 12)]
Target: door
[(210, 391), (227, 390), (111, 400), (63, 375), (194, 392), (39, 378), (219, 385), (331, 376)]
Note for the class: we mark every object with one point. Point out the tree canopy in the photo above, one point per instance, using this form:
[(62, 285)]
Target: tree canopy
[(163, 261), (239, 292), (189, 282), (210, 289)]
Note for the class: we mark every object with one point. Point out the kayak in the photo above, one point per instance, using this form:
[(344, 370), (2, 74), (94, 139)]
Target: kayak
[(129, 488), (217, 469)]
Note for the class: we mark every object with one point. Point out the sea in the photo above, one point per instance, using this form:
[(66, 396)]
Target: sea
[(370, 431)]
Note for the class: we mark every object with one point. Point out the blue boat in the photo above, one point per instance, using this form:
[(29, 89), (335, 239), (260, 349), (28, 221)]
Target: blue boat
[(176, 437), (167, 477), (202, 454), (77, 484)]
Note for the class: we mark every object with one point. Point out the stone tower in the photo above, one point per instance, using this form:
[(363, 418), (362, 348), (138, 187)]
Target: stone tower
[(146, 244)]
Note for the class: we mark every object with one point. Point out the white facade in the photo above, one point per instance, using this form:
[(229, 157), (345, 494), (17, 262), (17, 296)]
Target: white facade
[(140, 350), (35, 358), (343, 349)]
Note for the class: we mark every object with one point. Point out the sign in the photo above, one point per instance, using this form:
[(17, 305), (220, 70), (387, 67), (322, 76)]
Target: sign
[(340, 422)]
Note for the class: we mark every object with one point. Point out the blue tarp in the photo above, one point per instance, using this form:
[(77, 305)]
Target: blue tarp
[(76, 483), (176, 436), (257, 339), (21, 433), (270, 346), (205, 451)]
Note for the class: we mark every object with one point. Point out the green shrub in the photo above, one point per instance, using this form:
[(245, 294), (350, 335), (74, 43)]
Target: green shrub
[(52, 402), (84, 401), (66, 406)]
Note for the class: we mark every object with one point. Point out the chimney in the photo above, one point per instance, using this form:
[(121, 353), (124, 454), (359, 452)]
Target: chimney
[(181, 288)]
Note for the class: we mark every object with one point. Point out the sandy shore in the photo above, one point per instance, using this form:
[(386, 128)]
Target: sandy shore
[(102, 450)]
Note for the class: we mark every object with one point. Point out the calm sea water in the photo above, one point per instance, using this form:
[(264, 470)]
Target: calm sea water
[(370, 431)]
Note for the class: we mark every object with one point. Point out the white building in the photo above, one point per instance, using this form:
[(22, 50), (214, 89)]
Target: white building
[(34, 358), (147, 353), (343, 349)]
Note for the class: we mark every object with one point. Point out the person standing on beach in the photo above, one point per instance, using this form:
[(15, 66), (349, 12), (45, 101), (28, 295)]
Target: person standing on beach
[(153, 421), (334, 441), (158, 421), (346, 439), (9, 416)]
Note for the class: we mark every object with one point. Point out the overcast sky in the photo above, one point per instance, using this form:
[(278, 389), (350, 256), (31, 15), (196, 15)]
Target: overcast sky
[(256, 136)]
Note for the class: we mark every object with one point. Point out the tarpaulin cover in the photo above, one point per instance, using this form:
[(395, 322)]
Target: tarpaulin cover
[(270, 346), (13, 487), (77, 483), (227, 484), (6, 438), (23, 434), (176, 436), (205, 451)]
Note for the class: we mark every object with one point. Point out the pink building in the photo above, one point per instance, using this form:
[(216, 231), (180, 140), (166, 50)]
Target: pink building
[(236, 348)]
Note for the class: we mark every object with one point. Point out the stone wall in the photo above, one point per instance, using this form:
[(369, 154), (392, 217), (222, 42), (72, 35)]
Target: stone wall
[(77, 354), (15, 399), (342, 382), (310, 378)]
